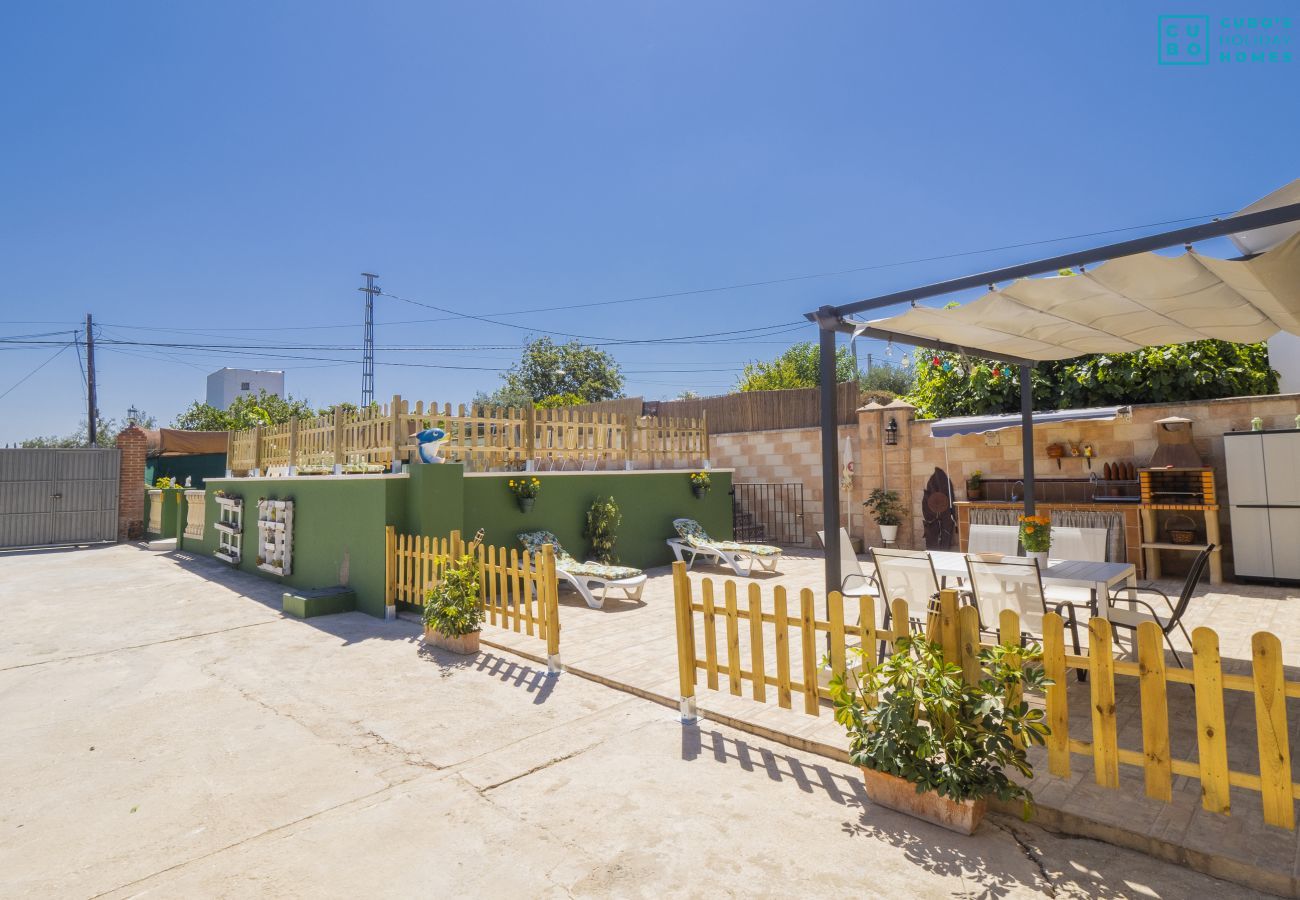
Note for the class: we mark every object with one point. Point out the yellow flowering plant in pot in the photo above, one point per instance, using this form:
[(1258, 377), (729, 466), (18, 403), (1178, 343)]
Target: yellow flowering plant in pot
[(700, 484), (525, 490), (1036, 536)]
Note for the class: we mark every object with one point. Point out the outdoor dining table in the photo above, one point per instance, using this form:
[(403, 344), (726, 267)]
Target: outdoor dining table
[(1097, 577)]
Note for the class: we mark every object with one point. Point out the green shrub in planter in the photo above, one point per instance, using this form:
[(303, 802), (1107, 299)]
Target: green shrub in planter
[(452, 607), (913, 716)]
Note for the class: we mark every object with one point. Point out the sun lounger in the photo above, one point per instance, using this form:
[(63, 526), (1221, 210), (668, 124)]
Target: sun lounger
[(694, 541), (584, 576)]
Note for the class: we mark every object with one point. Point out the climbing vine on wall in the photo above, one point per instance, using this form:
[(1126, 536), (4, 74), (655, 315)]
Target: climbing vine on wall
[(948, 384)]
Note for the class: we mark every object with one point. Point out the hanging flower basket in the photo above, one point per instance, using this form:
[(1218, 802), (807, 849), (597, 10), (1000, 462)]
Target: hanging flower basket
[(701, 484), (526, 503)]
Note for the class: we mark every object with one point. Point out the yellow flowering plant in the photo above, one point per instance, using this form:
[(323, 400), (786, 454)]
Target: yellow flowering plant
[(1035, 533), (525, 488), (700, 483)]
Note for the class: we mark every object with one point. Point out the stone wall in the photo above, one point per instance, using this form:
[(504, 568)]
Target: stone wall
[(794, 455), (783, 457), (998, 454)]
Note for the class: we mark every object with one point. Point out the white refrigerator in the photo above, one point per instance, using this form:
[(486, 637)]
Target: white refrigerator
[(1264, 498)]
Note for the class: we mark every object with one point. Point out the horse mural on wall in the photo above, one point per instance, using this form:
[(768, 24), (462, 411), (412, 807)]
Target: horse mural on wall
[(937, 514)]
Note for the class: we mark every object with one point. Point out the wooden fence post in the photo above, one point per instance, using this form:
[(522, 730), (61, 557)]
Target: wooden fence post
[(704, 438), (338, 440), (551, 599), (530, 438), (257, 449), (1105, 731), (230, 452), (629, 430), (390, 553), (293, 446), (1271, 730), (685, 643), (396, 426)]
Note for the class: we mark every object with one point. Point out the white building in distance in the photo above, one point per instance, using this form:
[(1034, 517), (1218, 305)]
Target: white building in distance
[(225, 385)]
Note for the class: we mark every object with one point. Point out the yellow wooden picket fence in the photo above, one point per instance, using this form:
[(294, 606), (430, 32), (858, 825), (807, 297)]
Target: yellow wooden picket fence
[(519, 590), (483, 438), (803, 664)]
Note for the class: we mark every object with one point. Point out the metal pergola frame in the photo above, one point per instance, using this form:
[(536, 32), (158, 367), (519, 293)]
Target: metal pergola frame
[(831, 320)]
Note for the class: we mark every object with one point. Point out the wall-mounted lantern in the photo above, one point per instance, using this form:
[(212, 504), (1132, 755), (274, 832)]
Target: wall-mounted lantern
[(891, 432)]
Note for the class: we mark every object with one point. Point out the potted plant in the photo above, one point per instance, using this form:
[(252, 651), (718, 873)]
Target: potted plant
[(975, 486), (701, 484), (1036, 537), (525, 491), (887, 510), (603, 518), (453, 613), (932, 745)]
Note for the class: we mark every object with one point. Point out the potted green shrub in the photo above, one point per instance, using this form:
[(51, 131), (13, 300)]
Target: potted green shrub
[(887, 510), (453, 612), (975, 486), (603, 519), (931, 745), (700, 484), (525, 490)]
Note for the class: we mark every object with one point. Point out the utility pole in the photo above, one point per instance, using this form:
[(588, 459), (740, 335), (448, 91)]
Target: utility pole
[(92, 414), (368, 348)]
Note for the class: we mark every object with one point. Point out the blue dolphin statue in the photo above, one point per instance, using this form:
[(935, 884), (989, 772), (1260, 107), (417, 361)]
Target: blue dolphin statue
[(429, 440)]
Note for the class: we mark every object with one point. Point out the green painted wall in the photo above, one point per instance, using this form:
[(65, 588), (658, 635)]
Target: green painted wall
[(171, 500), (198, 467), (336, 520), (434, 500), (649, 502)]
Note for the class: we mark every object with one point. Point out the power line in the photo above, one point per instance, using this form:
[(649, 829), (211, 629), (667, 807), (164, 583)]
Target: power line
[(51, 359)]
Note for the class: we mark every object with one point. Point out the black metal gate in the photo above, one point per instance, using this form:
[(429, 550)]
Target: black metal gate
[(768, 513)]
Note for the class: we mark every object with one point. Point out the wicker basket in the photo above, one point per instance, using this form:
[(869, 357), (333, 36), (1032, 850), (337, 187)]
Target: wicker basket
[(1181, 529)]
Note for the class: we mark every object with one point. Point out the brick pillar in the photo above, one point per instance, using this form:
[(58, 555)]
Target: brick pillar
[(898, 468), (870, 468), (131, 487)]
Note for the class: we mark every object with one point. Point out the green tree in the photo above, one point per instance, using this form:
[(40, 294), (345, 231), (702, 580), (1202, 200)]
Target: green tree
[(548, 369), (106, 431), (244, 412), (797, 367), (950, 385), (887, 378)]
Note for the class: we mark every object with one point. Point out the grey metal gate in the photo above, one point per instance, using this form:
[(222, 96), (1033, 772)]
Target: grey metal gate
[(58, 496)]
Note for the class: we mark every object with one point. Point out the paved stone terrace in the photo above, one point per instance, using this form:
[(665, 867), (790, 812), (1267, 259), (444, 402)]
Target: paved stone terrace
[(633, 646)]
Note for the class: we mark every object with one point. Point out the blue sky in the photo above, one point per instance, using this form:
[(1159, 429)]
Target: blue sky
[(221, 174)]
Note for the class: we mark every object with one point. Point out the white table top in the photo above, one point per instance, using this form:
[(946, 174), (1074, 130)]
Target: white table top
[(1080, 572), (1096, 576)]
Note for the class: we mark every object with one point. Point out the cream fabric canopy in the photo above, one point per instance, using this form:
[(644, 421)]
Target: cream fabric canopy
[(1122, 305)]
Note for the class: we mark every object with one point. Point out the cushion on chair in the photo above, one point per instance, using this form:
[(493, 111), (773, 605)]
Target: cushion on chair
[(597, 570), (534, 541), (694, 534)]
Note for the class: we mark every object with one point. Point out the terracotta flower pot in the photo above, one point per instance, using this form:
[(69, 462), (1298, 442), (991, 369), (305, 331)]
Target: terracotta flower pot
[(464, 644), (899, 794)]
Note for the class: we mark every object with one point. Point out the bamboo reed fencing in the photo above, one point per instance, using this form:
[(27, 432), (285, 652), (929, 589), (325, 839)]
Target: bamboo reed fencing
[(784, 634), (518, 590), (483, 438)]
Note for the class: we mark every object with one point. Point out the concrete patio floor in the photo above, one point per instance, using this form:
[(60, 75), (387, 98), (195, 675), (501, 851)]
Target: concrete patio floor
[(169, 733)]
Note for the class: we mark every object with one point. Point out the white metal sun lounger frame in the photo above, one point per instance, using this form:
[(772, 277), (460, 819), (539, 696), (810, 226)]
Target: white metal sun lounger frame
[(742, 562), (631, 586)]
